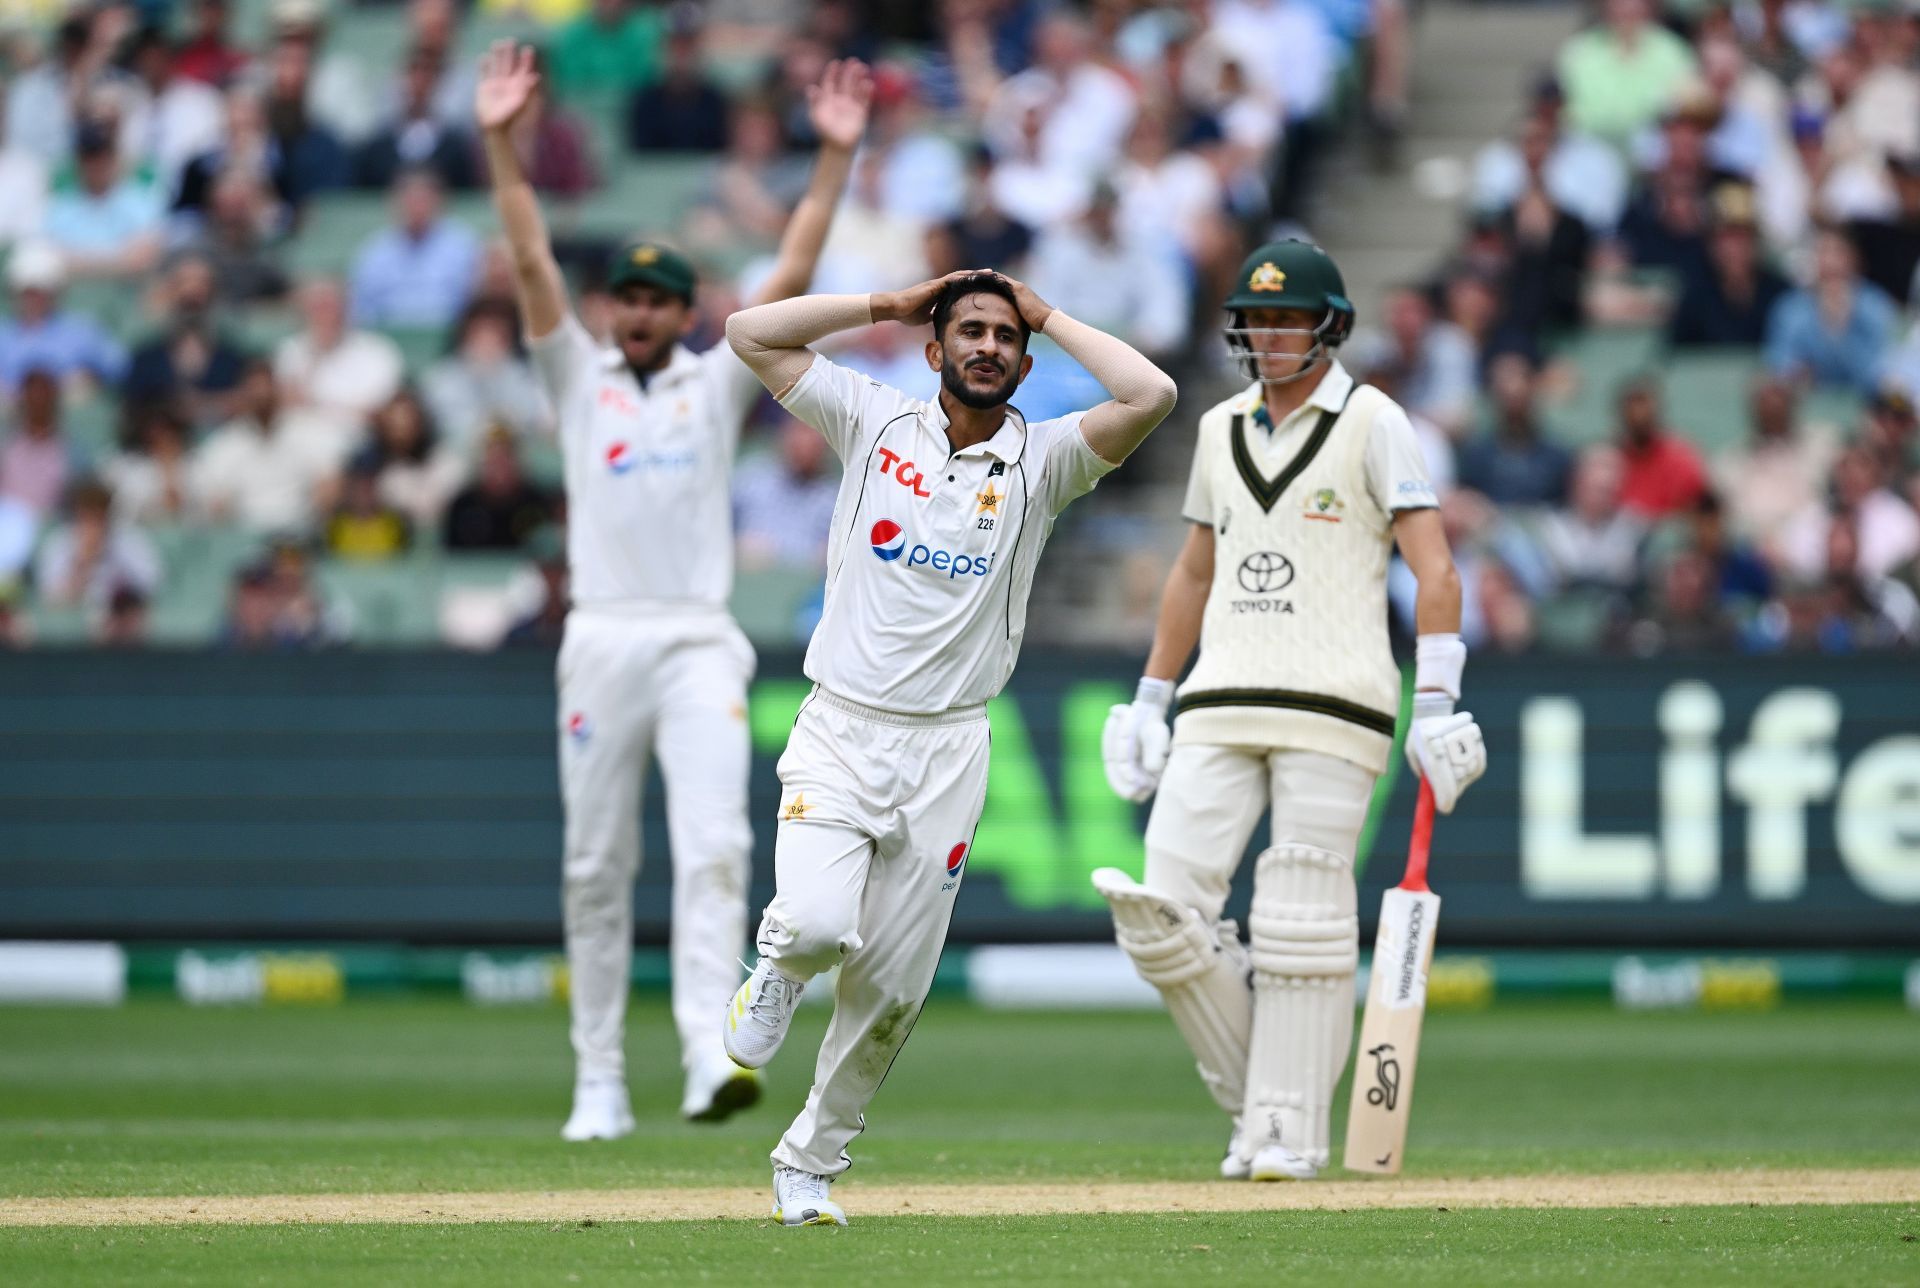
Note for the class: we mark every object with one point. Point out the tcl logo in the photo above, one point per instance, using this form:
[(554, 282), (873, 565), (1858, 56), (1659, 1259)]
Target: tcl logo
[(905, 473)]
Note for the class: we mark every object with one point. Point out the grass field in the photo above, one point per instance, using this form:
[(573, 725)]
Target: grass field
[(1028, 1118)]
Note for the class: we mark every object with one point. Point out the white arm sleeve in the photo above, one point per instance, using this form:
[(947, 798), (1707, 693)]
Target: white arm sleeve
[(1396, 472)]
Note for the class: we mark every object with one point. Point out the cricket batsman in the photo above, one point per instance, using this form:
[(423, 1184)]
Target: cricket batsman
[(651, 661), (1301, 486), (943, 511)]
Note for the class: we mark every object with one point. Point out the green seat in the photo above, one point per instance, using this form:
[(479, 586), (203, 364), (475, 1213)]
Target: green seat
[(420, 347), (191, 606), (644, 192), (1575, 621), (1707, 392), (390, 604), (1604, 360)]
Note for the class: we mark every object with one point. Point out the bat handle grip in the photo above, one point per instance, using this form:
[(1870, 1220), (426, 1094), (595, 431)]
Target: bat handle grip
[(1421, 841)]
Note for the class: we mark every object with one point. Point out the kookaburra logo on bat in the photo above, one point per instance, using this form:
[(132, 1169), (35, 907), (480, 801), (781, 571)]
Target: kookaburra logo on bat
[(1385, 1091)]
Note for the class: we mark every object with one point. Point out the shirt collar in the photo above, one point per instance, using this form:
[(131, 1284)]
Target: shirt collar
[(1007, 443), (1330, 394)]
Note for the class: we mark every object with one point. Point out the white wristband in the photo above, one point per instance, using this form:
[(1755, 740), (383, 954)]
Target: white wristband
[(1438, 661), (1154, 693)]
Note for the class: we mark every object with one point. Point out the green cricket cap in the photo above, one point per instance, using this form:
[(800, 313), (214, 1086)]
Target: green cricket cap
[(648, 263)]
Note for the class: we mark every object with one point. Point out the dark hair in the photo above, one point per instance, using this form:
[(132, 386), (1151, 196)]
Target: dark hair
[(982, 283)]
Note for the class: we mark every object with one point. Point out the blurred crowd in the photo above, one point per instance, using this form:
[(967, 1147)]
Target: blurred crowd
[(160, 170), (1744, 180)]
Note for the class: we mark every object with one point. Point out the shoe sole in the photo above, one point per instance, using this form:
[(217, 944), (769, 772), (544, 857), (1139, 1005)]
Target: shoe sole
[(742, 1091), (815, 1217), (615, 1134)]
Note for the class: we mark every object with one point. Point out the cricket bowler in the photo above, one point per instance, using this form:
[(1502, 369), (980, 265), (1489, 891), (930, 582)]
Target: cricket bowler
[(942, 513), (1301, 486), (651, 663)]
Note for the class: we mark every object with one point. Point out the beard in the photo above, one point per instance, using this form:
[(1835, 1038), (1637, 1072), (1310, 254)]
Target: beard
[(954, 380)]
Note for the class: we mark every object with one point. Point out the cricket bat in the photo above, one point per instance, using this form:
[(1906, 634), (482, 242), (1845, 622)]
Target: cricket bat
[(1396, 1002)]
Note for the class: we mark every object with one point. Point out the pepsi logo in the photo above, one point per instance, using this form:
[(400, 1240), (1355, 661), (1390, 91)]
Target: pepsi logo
[(888, 540), (619, 460), (579, 728), (956, 859)]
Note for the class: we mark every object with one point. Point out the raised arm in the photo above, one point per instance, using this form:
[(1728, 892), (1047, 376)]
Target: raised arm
[(837, 106), (507, 86), (1141, 395), (772, 339)]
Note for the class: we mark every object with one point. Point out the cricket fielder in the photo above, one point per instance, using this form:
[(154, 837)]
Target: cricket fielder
[(943, 510), (651, 661), (1301, 485)]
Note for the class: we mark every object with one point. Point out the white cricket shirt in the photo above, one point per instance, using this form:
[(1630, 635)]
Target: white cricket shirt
[(649, 515), (933, 551)]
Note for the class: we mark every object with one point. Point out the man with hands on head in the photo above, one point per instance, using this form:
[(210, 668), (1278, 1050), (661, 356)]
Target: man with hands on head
[(651, 660), (943, 509), (1302, 485)]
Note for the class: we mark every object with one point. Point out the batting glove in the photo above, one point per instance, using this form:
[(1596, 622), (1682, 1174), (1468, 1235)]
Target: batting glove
[(1134, 743), (1445, 747)]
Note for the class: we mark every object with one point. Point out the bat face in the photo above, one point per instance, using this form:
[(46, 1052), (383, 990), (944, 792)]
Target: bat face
[(1390, 1032)]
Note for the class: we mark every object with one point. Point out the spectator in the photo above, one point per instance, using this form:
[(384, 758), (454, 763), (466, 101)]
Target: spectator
[(1288, 43), (1665, 223), (150, 480), (313, 157), (1750, 108), (783, 504), (183, 117), (1688, 613), (1840, 610), (1030, 190), (1546, 277), (206, 55), (1772, 478), (1514, 464), (1119, 285), (233, 238), (869, 245), (329, 91), (40, 100), (124, 624), (1663, 473), (1620, 73), (1433, 361), (275, 605), (262, 470), (982, 234), (684, 111), (36, 461), (415, 137), (924, 172), (90, 557), (1595, 542), (1891, 433), (1169, 198), (1580, 173), (107, 226), (1838, 330), (414, 473), (245, 147), (24, 178), (1889, 246), (546, 626), (1885, 531), (339, 373), (41, 336), (485, 380), (1738, 570), (420, 271), (363, 527), (757, 183), (1077, 110), (500, 510), (1727, 297), (191, 362), (610, 52), (554, 150)]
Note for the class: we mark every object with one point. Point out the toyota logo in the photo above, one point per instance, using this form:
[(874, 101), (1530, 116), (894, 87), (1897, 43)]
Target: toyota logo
[(1263, 572)]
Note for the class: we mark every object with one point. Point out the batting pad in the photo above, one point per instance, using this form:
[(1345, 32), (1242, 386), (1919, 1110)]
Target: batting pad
[(1200, 970), (1305, 948)]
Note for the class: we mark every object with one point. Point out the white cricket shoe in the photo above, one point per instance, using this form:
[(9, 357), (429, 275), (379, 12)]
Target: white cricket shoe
[(800, 1198), (758, 1017), (1278, 1163), (1234, 1166), (717, 1088), (600, 1112)]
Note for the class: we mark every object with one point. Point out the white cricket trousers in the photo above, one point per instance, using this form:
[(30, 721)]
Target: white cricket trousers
[(635, 682), (877, 813), (1211, 798)]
